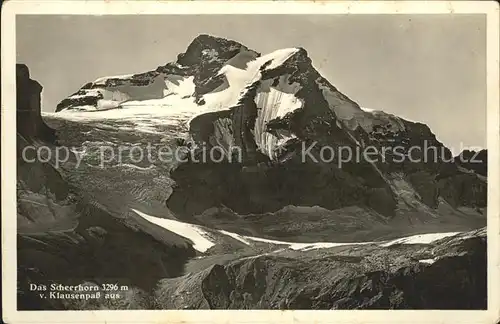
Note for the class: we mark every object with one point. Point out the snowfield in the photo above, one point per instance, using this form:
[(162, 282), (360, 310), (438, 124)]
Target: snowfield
[(142, 116), (178, 85), (175, 104), (192, 232), (203, 240), (420, 238)]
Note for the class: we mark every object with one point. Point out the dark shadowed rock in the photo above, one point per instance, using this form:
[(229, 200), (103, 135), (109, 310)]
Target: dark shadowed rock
[(449, 274), (474, 161), (29, 120), (291, 180)]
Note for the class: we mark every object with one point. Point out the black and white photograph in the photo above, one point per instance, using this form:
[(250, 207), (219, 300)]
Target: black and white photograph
[(297, 160)]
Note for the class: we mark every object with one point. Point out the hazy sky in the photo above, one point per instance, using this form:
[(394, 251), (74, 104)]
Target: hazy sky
[(428, 68)]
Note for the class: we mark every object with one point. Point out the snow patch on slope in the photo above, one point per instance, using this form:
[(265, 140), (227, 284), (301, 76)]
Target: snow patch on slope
[(88, 93), (236, 79), (303, 246), (189, 231), (202, 240), (113, 96), (277, 58), (144, 116), (414, 239), (368, 110), (227, 94), (420, 238), (274, 102), (181, 86), (237, 237)]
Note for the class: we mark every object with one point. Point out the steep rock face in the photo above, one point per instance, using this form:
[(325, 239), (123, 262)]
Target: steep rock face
[(29, 120), (286, 107), (280, 106), (264, 188)]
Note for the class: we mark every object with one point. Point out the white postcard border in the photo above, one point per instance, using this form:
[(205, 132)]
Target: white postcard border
[(98, 7)]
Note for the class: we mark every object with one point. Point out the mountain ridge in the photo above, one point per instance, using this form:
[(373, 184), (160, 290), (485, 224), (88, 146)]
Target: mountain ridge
[(225, 234), (278, 102)]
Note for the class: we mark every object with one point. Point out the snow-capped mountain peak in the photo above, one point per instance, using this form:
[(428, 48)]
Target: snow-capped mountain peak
[(279, 97)]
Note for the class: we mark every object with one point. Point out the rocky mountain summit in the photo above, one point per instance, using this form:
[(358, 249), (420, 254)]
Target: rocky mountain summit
[(287, 214), (272, 107)]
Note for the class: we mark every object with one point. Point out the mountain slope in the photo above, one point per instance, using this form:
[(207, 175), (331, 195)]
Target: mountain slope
[(64, 235), (258, 205), (271, 107)]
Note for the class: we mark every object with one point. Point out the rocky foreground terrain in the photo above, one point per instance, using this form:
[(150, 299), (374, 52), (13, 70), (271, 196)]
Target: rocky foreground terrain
[(266, 230)]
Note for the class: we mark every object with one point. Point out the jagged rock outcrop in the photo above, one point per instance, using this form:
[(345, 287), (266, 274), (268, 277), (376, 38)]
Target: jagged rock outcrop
[(448, 274)]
